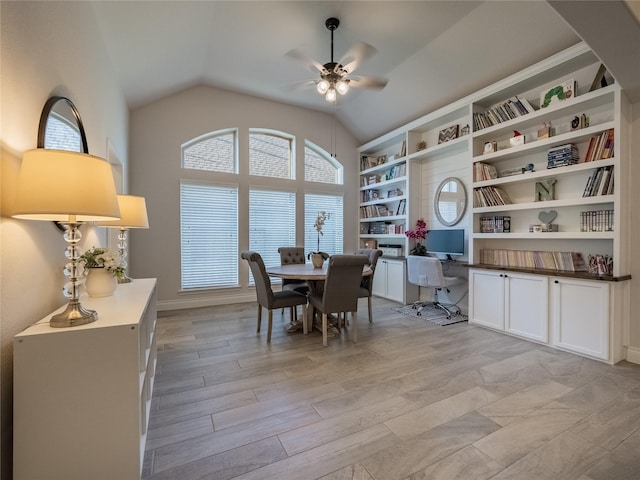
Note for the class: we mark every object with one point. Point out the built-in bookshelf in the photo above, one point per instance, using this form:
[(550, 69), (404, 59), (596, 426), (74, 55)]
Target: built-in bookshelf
[(547, 190), (557, 160)]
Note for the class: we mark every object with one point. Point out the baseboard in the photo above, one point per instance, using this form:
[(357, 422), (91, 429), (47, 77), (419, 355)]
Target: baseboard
[(205, 302), (633, 355)]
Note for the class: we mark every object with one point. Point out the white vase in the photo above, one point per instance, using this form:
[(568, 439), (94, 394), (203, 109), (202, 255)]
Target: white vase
[(317, 260), (100, 282)]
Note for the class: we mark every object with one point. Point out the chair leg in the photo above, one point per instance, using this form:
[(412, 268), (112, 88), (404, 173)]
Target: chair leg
[(370, 313), (270, 325), (324, 330), (305, 327), (259, 317), (292, 314), (354, 316)]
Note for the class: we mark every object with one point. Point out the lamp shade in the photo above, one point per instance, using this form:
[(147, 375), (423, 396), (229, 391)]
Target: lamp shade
[(133, 213), (65, 187)]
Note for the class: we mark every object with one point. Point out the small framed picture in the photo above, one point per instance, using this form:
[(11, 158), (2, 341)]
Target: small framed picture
[(465, 130), (490, 147), (450, 133)]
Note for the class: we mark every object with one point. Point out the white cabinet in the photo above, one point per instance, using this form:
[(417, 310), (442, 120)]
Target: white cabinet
[(580, 310), (390, 281), (82, 395), (512, 302)]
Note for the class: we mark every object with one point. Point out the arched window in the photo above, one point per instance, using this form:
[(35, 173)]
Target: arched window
[(270, 154), (321, 167), (214, 152)]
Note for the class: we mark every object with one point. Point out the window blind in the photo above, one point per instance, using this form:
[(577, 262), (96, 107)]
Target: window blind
[(209, 227), (272, 224)]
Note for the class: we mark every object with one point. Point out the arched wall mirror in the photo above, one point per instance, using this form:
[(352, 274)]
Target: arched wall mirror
[(450, 201), (61, 127)]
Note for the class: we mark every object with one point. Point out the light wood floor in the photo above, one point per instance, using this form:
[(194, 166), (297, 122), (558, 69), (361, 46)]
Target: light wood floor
[(410, 400)]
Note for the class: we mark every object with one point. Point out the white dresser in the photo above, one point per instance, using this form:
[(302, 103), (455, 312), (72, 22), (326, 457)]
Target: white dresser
[(82, 395)]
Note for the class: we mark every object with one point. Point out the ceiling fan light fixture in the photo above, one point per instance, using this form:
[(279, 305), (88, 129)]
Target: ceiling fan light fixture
[(342, 86), (322, 86), (331, 95)]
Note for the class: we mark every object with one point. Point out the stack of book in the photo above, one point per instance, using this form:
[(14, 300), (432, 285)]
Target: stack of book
[(490, 197), (529, 259), (501, 112), (600, 146), (562, 156), (600, 182)]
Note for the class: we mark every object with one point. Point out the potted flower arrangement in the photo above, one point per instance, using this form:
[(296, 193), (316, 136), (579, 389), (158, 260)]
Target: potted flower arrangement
[(418, 234), (318, 257), (102, 269)]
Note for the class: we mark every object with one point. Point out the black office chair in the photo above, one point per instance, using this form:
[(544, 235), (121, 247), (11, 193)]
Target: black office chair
[(266, 297), (341, 289)]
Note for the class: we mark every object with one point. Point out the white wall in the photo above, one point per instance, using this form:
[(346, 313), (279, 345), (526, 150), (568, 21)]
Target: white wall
[(47, 48), (157, 132), (633, 353)]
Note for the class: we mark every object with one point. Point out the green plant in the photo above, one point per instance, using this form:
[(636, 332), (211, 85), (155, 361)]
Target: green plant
[(98, 257)]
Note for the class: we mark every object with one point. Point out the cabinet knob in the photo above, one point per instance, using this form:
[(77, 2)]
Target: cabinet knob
[(556, 281)]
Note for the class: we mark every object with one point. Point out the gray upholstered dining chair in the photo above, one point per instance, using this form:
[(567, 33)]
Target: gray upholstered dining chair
[(293, 256), (341, 288), (267, 298), (366, 285)]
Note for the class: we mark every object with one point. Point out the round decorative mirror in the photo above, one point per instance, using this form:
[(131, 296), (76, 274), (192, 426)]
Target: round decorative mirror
[(450, 201), (60, 126)]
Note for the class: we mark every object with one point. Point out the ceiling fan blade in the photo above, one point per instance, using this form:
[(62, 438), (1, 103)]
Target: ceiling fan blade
[(306, 59), (355, 56), (359, 81), (299, 86)]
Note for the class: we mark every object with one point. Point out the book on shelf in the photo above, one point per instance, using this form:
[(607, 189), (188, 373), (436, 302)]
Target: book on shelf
[(558, 93), (490, 197), (484, 171), (596, 221), (403, 149), (562, 155), (600, 146), (600, 182), (534, 259), (495, 224), (512, 108)]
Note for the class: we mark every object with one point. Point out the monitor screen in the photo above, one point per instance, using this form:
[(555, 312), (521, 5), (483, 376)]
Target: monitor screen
[(446, 242)]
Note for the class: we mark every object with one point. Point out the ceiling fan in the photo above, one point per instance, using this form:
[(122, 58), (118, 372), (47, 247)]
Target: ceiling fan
[(335, 77)]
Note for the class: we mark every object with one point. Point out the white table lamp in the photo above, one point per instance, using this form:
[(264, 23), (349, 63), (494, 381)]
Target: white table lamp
[(133, 214), (70, 188)]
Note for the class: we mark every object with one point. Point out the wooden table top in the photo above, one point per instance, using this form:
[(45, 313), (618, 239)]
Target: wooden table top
[(305, 271)]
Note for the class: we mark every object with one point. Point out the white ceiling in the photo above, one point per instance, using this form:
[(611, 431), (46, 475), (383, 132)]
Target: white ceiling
[(432, 52)]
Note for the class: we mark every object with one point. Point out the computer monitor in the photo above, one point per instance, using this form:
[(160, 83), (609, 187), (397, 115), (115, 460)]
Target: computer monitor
[(445, 242)]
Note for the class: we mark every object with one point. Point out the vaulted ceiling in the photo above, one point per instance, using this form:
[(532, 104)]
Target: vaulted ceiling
[(431, 52)]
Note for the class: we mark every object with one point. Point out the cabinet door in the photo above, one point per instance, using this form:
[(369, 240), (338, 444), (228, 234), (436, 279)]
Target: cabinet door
[(486, 298), (395, 280), (527, 306), (581, 316), (380, 279)]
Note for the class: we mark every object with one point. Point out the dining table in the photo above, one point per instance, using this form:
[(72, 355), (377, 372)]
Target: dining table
[(314, 277)]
